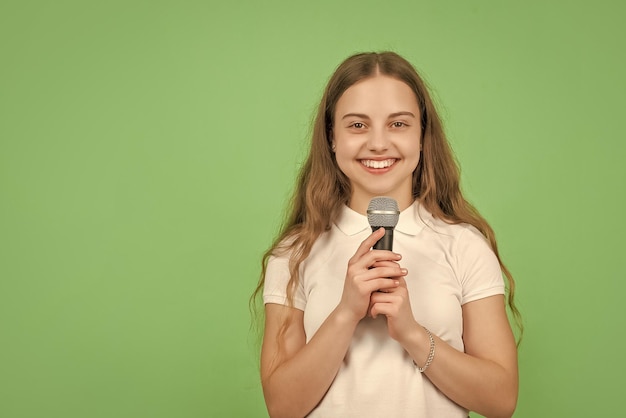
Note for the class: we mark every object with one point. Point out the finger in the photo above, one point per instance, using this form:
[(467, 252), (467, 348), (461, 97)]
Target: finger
[(385, 263), (401, 277), (385, 299), (380, 297), (401, 280), (390, 296), (379, 308), (399, 290), (383, 302), (375, 286), (381, 272), (382, 285), (369, 243), (368, 259)]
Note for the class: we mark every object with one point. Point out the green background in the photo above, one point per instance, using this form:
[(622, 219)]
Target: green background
[(147, 148)]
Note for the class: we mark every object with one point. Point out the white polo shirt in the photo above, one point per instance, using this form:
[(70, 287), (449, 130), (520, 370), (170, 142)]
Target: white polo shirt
[(448, 266)]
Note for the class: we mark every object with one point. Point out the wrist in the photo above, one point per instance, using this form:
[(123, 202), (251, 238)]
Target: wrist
[(420, 344), (345, 317), (431, 352), (414, 338)]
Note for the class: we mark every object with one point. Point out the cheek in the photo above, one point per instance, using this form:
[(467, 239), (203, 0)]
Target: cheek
[(345, 159), (345, 151), (414, 154), (342, 161)]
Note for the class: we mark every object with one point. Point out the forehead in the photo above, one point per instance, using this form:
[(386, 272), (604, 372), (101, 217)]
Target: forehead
[(377, 94)]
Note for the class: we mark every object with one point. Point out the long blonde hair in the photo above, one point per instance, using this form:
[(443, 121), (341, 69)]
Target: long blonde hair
[(322, 189)]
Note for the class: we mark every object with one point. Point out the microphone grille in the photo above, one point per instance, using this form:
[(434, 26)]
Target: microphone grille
[(383, 211)]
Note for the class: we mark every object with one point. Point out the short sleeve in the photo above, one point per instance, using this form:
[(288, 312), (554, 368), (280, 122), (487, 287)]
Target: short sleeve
[(276, 280), (478, 268)]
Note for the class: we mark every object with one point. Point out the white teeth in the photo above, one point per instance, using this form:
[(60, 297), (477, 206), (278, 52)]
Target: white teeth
[(378, 164)]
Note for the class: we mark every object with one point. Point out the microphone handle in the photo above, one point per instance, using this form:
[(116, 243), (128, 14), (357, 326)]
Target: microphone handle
[(386, 242)]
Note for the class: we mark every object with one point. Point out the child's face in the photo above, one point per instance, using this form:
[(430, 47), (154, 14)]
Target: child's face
[(376, 135)]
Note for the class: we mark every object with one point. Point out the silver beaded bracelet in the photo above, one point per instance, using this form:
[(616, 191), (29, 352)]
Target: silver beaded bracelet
[(431, 353)]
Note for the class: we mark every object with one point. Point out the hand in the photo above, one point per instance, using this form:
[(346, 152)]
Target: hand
[(368, 271), (396, 306)]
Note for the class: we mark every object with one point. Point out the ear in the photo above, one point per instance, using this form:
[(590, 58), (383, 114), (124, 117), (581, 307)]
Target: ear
[(332, 146)]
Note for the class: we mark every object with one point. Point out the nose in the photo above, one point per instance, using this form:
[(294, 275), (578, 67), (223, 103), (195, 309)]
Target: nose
[(377, 140)]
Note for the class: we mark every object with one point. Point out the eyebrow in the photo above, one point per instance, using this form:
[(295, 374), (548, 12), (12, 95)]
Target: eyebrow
[(364, 116)]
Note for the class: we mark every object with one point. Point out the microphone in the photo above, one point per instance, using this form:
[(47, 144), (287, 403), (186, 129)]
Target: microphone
[(383, 212)]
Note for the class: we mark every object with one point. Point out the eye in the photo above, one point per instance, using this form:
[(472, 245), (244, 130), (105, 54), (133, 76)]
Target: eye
[(357, 125), (398, 124)]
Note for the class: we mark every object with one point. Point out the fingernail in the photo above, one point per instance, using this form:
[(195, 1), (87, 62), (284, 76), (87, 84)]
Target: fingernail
[(404, 271)]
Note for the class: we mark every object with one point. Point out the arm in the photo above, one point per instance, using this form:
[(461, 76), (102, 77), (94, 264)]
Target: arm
[(295, 375), (484, 378)]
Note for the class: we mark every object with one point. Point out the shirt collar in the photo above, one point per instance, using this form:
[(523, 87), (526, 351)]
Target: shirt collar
[(411, 220)]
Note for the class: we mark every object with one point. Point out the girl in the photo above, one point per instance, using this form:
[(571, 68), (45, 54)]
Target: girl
[(353, 332)]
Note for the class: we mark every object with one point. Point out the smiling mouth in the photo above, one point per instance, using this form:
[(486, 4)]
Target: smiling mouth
[(378, 163)]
